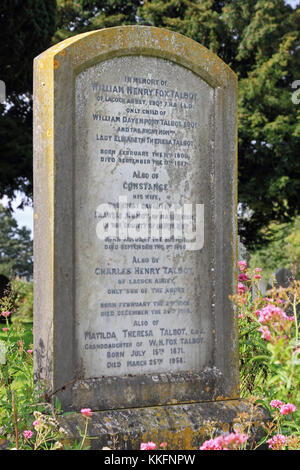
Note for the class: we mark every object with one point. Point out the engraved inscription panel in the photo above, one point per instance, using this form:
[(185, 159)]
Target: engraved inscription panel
[(143, 140)]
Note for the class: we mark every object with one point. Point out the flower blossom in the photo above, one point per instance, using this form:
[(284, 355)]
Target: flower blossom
[(276, 404), (148, 446), (28, 434), (230, 441), (271, 313), (243, 277), (287, 409), (87, 412), (6, 314), (213, 444), (265, 333), (242, 265), (277, 442), (241, 288)]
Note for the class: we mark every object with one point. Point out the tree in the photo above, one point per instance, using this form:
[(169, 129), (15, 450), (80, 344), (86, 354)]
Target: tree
[(86, 15), (26, 29), (283, 251), (16, 256), (259, 40)]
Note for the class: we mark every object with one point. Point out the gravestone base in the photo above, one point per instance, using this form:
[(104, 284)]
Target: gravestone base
[(183, 427)]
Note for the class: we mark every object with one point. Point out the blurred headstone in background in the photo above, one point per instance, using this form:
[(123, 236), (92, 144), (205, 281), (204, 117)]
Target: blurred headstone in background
[(280, 278), (243, 254)]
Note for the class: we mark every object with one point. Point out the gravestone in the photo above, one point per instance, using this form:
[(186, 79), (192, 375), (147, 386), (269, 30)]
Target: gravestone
[(282, 277), (135, 238), (243, 254)]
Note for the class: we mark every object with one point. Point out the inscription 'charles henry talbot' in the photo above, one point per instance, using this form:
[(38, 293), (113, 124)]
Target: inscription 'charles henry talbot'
[(135, 220)]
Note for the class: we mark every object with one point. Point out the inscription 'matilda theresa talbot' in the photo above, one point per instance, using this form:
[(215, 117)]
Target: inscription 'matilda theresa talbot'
[(142, 128)]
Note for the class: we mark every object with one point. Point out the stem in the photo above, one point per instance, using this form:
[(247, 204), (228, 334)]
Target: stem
[(295, 318), (85, 434), (15, 418)]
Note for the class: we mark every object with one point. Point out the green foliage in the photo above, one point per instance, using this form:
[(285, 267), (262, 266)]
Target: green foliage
[(15, 246), (282, 251), (86, 15), (26, 28), (293, 247), (260, 41), (270, 350), (269, 365), (24, 299), (21, 402), (16, 146), (16, 381)]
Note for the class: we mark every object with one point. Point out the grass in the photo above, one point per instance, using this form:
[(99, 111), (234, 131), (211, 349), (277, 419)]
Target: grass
[(26, 335)]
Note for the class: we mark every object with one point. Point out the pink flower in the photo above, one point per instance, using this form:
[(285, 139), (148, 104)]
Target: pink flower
[(235, 439), (4, 329), (36, 423), (6, 314), (148, 446), (287, 409), (243, 277), (28, 434), (241, 288), (213, 444), (29, 351), (258, 270), (265, 333), (242, 265), (87, 412), (271, 313), (257, 276), (231, 441), (276, 403), (277, 442), (163, 444)]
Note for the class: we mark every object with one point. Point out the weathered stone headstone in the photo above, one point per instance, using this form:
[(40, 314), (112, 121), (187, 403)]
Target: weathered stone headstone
[(282, 277), (129, 121)]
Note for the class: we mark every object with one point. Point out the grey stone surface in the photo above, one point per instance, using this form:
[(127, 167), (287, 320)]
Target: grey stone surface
[(160, 286), (181, 426), (243, 254)]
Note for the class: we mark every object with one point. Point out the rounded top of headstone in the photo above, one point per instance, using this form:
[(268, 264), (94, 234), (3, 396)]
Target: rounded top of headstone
[(88, 48)]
